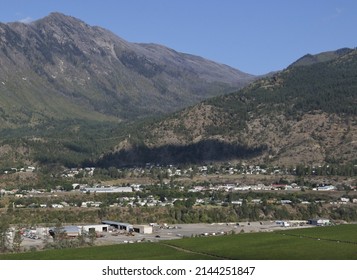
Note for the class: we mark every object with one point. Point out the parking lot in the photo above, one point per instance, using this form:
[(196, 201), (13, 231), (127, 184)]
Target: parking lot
[(191, 230)]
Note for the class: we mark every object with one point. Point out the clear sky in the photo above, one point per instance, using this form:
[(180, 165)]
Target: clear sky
[(255, 36)]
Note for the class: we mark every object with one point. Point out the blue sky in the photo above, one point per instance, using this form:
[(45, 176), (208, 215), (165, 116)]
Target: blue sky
[(255, 36)]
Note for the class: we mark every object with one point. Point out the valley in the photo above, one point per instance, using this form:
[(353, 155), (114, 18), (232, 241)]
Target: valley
[(95, 129)]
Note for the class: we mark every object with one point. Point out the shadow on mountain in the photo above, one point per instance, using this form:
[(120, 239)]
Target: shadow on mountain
[(204, 151)]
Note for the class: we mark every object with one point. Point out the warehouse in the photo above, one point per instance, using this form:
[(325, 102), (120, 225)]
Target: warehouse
[(142, 229), (96, 228), (107, 189), (74, 231), (319, 222), (70, 231), (119, 225)]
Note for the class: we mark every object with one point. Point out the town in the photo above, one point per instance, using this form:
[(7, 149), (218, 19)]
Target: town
[(203, 185), (98, 206)]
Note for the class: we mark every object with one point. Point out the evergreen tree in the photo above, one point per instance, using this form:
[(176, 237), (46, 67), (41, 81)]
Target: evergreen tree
[(4, 230), (16, 243)]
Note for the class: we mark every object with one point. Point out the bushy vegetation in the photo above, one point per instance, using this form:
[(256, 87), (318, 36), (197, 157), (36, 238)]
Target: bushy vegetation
[(182, 212), (67, 143)]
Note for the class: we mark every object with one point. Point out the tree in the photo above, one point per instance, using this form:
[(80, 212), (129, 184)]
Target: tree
[(16, 243), (190, 202), (92, 235), (59, 234), (4, 230), (82, 237)]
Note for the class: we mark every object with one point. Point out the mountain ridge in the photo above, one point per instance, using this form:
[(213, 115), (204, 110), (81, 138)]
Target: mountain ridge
[(64, 61), (310, 59)]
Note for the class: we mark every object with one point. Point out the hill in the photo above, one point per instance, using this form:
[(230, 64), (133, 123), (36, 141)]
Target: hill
[(305, 114), (60, 68)]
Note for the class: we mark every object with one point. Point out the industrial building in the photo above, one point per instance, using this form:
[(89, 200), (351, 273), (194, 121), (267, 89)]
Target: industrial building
[(319, 222), (119, 225), (74, 231), (107, 189), (96, 228), (71, 231), (142, 229), (106, 226)]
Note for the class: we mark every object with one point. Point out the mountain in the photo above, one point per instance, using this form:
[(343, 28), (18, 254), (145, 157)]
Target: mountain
[(60, 68), (305, 114)]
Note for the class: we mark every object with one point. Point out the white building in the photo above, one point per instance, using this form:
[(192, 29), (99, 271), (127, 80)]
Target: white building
[(107, 189), (326, 188), (319, 222), (143, 229), (96, 228)]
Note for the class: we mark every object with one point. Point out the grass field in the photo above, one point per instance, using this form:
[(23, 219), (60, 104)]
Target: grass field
[(303, 244), (320, 243), (142, 251)]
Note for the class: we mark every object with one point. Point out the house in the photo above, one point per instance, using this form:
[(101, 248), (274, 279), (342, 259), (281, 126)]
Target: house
[(237, 202), (55, 205), (278, 186), (326, 188), (285, 201), (30, 169)]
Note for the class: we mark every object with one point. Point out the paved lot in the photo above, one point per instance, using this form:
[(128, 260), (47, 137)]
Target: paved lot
[(188, 230)]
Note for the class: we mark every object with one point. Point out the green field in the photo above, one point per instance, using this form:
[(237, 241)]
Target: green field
[(303, 244), (320, 243), (137, 251)]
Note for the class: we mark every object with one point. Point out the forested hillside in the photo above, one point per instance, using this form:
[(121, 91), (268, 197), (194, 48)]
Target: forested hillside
[(305, 114)]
